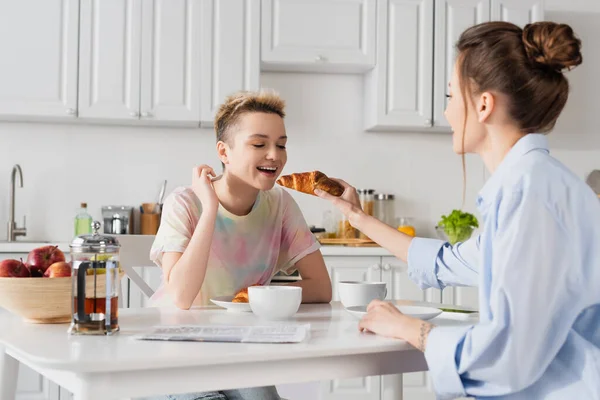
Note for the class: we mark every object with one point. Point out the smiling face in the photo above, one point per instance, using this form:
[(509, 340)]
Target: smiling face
[(255, 152)]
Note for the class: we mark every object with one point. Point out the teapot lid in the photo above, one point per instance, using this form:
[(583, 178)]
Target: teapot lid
[(95, 243)]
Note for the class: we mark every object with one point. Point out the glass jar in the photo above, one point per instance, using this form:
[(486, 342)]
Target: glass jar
[(366, 198), (384, 209), (95, 284), (406, 226), (345, 230), (367, 203)]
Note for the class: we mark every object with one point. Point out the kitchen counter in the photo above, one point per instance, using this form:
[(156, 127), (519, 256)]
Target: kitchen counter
[(26, 247)]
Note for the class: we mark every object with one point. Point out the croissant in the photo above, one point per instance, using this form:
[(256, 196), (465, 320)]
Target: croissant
[(307, 182), (242, 295)]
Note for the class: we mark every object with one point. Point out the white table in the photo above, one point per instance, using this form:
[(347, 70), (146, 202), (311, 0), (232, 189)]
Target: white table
[(115, 367)]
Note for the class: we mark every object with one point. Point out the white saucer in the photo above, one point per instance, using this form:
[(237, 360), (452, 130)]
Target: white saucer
[(423, 313), (225, 302)]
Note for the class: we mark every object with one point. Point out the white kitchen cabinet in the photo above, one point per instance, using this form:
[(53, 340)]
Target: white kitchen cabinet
[(109, 59), (395, 274), (231, 52), (519, 12), (33, 386), (38, 72), (318, 35), (171, 54), (452, 17), (352, 269), (398, 91), (461, 296), (169, 62), (361, 388)]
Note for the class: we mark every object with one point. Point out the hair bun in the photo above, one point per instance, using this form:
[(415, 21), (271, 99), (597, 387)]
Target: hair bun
[(552, 45)]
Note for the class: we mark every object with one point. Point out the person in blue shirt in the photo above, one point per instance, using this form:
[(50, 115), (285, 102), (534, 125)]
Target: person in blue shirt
[(537, 260)]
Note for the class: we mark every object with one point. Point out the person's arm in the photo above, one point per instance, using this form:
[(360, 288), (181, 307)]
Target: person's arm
[(315, 283), (532, 308), (184, 272), (431, 263)]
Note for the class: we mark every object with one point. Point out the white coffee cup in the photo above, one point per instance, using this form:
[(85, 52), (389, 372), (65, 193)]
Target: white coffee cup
[(354, 293)]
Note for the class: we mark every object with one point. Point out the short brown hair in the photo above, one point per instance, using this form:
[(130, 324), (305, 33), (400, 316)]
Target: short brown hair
[(246, 102), (525, 65)]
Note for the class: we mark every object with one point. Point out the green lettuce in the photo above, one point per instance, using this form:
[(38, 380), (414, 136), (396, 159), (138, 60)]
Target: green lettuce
[(458, 226)]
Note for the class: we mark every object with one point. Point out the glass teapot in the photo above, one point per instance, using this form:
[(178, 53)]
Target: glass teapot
[(95, 284)]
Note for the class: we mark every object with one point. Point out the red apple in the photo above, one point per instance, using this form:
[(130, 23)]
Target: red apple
[(41, 258), (13, 268), (58, 270)]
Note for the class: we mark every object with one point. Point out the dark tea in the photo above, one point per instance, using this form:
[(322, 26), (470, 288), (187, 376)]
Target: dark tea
[(95, 311)]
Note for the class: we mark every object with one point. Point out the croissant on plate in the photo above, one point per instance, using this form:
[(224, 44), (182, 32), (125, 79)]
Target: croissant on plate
[(242, 296), (307, 182)]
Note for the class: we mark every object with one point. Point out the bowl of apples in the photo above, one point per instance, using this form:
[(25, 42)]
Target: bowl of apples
[(38, 289)]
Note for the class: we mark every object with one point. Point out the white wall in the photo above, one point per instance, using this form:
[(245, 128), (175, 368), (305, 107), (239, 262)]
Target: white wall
[(64, 165)]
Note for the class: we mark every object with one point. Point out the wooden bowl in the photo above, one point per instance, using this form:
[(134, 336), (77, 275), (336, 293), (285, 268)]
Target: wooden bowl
[(43, 300)]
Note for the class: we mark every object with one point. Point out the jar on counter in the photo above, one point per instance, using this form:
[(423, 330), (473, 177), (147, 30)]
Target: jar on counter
[(345, 229), (367, 203), (367, 199), (406, 226), (385, 209)]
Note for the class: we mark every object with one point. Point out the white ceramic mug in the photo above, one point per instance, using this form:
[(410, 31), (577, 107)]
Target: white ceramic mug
[(354, 293)]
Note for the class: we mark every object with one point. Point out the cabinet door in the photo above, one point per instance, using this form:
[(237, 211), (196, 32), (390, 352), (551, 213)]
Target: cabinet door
[(318, 35), (363, 388), (33, 386), (351, 268), (38, 72), (398, 91), (519, 12), (452, 17), (230, 52), (171, 49), (462, 296), (109, 61), (400, 287)]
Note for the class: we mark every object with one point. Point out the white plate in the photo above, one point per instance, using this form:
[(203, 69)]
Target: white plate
[(225, 302), (423, 313)]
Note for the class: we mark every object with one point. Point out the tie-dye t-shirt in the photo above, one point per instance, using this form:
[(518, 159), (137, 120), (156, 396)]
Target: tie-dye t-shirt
[(245, 250)]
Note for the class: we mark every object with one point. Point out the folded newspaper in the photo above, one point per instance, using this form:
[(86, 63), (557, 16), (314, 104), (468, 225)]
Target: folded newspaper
[(289, 333)]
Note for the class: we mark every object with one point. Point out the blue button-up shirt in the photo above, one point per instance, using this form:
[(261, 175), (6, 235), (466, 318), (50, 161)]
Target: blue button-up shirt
[(537, 264)]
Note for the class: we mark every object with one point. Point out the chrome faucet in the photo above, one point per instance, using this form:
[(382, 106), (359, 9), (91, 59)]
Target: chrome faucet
[(13, 230)]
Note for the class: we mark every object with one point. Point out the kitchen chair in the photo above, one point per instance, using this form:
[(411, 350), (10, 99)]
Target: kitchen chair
[(135, 252)]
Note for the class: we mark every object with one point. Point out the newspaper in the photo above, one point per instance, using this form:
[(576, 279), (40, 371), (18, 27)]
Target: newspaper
[(288, 333)]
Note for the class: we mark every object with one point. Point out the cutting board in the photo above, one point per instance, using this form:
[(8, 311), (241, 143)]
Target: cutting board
[(350, 242)]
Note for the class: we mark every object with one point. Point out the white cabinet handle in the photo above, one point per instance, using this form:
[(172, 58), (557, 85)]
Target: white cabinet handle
[(71, 111), (376, 267), (135, 114), (320, 58), (146, 114), (386, 267)]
